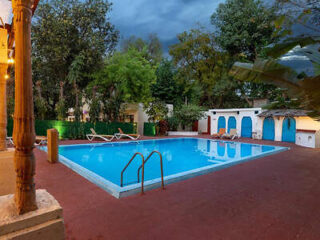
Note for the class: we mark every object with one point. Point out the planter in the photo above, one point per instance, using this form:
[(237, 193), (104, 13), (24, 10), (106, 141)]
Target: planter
[(182, 133)]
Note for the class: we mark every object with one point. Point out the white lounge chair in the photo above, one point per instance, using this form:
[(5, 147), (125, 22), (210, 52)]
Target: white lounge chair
[(93, 135), (121, 134), (232, 135), (41, 140)]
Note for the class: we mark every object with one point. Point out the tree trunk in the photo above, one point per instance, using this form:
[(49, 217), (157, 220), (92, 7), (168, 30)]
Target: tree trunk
[(77, 107), (23, 131)]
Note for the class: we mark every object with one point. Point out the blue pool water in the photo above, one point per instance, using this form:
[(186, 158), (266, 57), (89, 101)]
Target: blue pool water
[(180, 155)]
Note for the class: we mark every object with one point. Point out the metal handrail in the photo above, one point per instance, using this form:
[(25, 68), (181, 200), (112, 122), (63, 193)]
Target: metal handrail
[(142, 178), (161, 167)]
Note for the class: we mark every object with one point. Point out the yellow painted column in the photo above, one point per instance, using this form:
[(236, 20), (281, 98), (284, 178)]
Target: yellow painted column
[(3, 107), (3, 87), (23, 131)]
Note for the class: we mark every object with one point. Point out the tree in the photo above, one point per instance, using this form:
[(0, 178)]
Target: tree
[(40, 104), (298, 85), (124, 78), (293, 14), (202, 69), (63, 32), (188, 114), (157, 111), (151, 48), (244, 27), (166, 88)]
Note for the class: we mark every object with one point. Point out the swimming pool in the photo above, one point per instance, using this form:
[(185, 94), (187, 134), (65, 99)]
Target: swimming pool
[(102, 163)]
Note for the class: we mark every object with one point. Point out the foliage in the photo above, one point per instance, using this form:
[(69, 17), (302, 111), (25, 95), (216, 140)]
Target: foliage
[(157, 111), (298, 85), (244, 27), (173, 123), (297, 14), (95, 108), (40, 108), (76, 130), (124, 78), (151, 48), (201, 68), (166, 88), (64, 32), (188, 114), (61, 110)]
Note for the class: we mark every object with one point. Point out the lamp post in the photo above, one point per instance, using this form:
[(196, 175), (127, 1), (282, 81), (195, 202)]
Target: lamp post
[(23, 131)]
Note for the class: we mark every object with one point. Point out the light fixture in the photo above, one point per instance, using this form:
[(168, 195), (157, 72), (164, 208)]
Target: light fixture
[(10, 61), (6, 76)]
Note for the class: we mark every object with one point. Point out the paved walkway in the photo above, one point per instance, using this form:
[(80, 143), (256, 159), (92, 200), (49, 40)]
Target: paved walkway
[(275, 197)]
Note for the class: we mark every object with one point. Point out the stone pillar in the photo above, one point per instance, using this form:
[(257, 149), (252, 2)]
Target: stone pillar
[(23, 131), (3, 107)]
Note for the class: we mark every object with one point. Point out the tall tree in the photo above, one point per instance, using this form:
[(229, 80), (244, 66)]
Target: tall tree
[(151, 47), (62, 32), (202, 68), (243, 28), (166, 88), (125, 78)]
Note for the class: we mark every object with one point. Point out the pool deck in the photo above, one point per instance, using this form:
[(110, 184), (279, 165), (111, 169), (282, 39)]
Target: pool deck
[(274, 197)]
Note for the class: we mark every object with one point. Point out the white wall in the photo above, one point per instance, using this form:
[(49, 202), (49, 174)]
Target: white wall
[(143, 117), (307, 123), (243, 112), (203, 125)]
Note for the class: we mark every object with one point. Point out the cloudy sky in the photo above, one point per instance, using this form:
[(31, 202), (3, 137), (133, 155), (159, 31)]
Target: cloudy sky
[(166, 18)]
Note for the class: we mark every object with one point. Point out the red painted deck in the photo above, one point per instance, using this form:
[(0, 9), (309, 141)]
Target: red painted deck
[(275, 197)]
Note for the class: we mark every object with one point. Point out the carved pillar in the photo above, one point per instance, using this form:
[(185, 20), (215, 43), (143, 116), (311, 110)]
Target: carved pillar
[(3, 107), (23, 131)]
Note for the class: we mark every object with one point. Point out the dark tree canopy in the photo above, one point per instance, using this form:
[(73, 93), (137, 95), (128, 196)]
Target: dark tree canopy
[(69, 39), (166, 88), (151, 48), (244, 27)]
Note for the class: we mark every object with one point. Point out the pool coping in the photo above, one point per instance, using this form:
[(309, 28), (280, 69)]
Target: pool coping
[(132, 189)]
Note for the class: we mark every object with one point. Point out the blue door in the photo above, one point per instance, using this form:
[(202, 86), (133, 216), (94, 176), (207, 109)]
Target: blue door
[(232, 123), (246, 127), (268, 129), (289, 130), (221, 123)]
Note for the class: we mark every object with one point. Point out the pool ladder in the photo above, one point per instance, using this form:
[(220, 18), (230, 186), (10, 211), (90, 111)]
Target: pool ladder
[(142, 167)]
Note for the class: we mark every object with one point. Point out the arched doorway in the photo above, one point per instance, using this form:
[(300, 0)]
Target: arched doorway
[(221, 122), (268, 129), (246, 127), (289, 130), (232, 123)]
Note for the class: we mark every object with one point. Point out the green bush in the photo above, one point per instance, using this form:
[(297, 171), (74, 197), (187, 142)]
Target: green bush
[(173, 123), (149, 129), (77, 130)]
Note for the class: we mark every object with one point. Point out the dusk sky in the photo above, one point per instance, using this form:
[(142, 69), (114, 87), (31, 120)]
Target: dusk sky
[(165, 18)]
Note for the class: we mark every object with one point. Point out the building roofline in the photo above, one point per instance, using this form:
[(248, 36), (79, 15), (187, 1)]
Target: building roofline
[(235, 109)]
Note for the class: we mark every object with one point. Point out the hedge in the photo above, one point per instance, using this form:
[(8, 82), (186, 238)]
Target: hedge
[(77, 130), (149, 129)]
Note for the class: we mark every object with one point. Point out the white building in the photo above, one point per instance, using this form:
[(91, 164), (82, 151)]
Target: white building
[(289, 126), (245, 120), (275, 125)]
